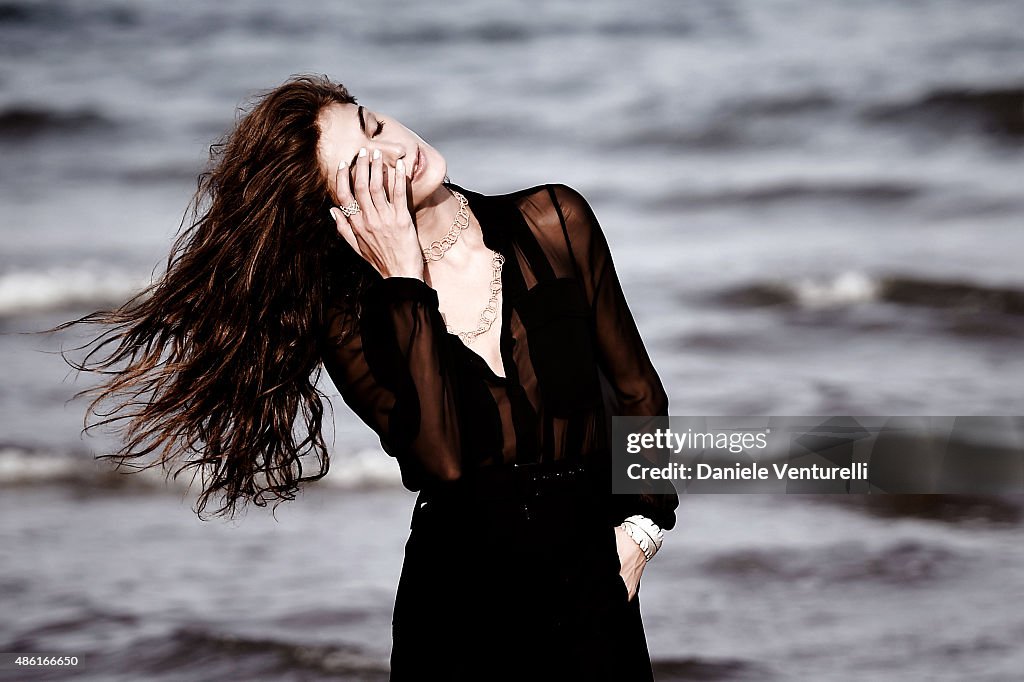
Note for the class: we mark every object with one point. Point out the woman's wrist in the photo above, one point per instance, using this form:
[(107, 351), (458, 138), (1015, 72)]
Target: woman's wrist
[(409, 275), (647, 535), (413, 270)]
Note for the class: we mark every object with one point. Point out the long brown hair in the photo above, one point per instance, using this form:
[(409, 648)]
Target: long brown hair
[(220, 353)]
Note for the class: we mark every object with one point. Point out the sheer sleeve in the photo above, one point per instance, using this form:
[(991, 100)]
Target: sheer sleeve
[(394, 371), (622, 355)]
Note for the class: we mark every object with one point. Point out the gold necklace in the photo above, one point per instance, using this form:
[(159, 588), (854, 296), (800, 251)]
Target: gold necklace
[(436, 252), (490, 312), (439, 247)]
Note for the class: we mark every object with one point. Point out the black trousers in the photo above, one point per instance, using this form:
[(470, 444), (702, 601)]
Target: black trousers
[(515, 580)]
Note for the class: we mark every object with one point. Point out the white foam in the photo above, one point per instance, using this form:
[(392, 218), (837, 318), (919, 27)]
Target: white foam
[(369, 468), (844, 289), (21, 466), (28, 291)]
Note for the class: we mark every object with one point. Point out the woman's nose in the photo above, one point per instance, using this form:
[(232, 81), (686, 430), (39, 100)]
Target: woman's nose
[(391, 153)]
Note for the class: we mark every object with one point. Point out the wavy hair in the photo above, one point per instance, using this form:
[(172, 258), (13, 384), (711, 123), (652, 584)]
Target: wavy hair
[(215, 360)]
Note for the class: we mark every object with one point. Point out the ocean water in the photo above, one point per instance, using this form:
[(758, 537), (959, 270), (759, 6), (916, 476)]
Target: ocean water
[(815, 207)]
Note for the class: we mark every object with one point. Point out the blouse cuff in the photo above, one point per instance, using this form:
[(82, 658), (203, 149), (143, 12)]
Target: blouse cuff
[(395, 289)]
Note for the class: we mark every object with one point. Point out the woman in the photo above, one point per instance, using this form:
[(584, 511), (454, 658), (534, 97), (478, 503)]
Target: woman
[(485, 339)]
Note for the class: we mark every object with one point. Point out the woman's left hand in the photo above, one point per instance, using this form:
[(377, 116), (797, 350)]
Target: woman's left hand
[(631, 560)]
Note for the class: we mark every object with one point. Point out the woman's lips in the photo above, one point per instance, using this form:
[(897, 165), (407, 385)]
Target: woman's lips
[(417, 164)]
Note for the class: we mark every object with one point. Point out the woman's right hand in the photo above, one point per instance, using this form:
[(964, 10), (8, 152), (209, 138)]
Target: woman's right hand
[(382, 231)]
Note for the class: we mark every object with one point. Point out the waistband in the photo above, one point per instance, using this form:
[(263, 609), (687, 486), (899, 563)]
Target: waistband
[(516, 493)]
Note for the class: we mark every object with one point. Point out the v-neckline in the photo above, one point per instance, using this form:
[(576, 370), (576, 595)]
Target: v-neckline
[(473, 199), (479, 359)]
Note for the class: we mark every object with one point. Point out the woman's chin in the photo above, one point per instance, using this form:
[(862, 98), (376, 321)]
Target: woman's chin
[(427, 185)]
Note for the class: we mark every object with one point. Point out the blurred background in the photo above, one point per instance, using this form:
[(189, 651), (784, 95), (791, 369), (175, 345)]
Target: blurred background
[(815, 208)]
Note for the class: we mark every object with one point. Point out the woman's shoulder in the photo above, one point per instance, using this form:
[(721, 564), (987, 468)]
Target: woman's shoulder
[(549, 204), (560, 192), (555, 193), (558, 209)]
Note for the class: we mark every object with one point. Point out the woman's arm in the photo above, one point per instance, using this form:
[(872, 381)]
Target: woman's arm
[(622, 355), (393, 370)]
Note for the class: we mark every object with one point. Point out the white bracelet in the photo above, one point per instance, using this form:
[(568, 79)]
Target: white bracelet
[(650, 528)]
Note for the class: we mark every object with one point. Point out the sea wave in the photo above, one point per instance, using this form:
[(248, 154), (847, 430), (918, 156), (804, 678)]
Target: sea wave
[(713, 135), (997, 111), (904, 562), (782, 104), (853, 287), (190, 649), (707, 668), (201, 652), (65, 288), (491, 31), (23, 466), (59, 14), (18, 121), (841, 289), (26, 466), (859, 191), (740, 123), (992, 510)]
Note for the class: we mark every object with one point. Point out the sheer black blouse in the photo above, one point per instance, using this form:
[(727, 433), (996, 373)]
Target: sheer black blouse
[(570, 349)]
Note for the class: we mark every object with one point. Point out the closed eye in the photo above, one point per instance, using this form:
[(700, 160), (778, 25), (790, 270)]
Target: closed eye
[(380, 127)]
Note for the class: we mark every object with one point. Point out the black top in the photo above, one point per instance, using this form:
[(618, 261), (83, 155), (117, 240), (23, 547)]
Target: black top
[(570, 350)]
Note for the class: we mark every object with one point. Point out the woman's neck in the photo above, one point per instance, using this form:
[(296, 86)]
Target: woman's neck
[(435, 216)]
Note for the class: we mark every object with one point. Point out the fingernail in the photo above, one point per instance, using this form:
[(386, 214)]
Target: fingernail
[(400, 166), (334, 216), (362, 151), (343, 165), (376, 154)]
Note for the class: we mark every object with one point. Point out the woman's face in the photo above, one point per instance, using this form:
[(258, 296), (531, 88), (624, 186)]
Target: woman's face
[(344, 128)]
